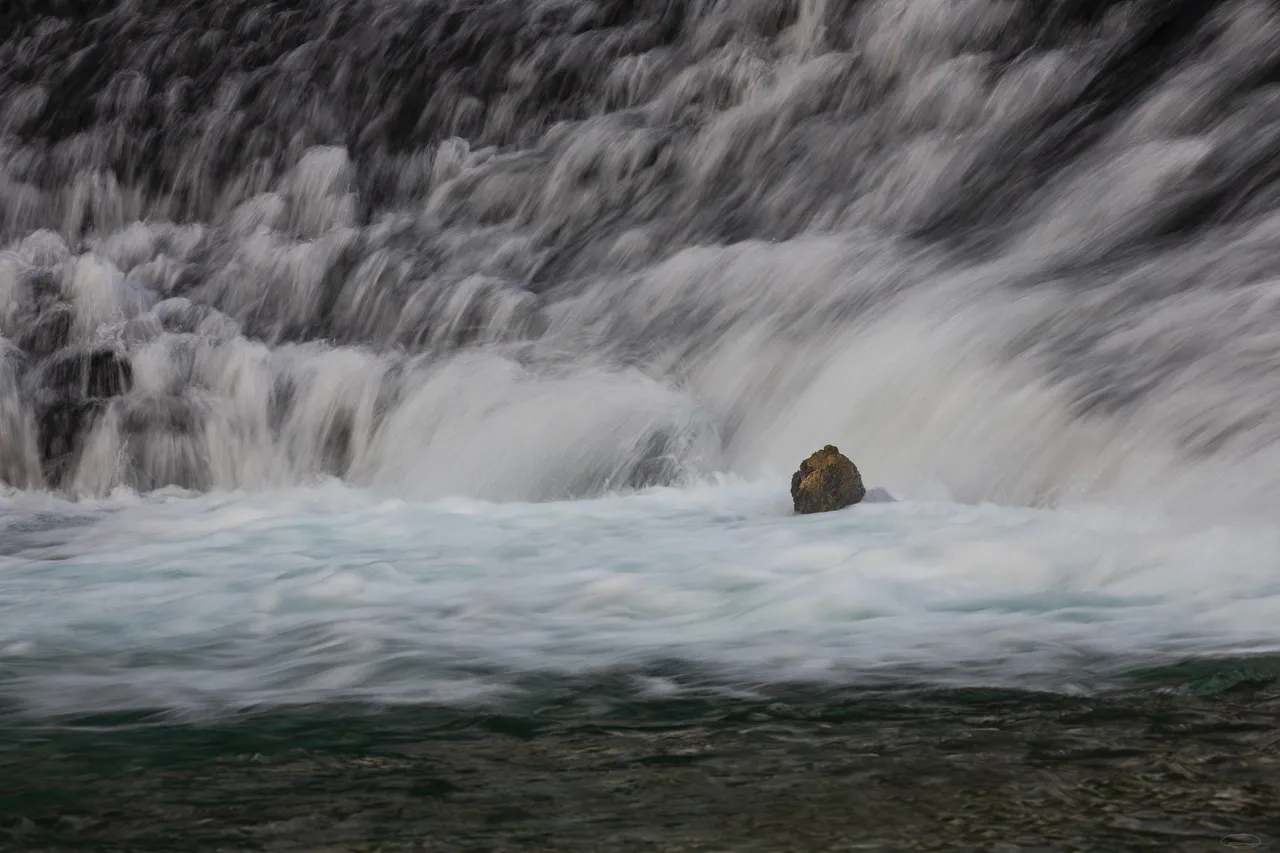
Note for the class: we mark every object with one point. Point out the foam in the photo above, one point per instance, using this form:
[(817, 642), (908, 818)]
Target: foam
[(385, 381), (243, 600)]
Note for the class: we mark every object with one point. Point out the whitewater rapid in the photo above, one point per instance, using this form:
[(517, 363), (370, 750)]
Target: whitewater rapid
[(202, 605)]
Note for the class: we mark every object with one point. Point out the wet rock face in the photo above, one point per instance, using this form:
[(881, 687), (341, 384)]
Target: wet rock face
[(99, 373), (76, 388), (826, 481), (62, 428)]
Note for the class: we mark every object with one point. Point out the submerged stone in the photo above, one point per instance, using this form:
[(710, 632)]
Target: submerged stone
[(828, 480)]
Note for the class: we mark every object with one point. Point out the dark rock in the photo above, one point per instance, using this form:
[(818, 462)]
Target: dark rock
[(99, 373), (878, 495), (163, 443), (62, 428), (159, 413), (75, 390), (826, 481), (658, 462), (49, 332)]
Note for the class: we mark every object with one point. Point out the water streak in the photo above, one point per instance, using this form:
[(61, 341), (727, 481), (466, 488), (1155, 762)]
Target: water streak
[(998, 250)]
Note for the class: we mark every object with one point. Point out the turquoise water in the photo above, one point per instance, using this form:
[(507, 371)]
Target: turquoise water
[(1187, 762), (207, 605)]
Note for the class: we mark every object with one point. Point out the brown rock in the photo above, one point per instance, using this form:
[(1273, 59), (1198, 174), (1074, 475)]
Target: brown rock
[(826, 481)]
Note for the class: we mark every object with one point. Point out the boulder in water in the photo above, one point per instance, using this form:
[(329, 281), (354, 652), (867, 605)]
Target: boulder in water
[(826, 481)]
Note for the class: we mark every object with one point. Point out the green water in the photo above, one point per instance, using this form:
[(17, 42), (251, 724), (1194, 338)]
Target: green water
[(1187, 758)]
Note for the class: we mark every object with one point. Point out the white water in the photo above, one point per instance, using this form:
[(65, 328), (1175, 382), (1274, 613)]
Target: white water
[(407, 246), (203, 604), (717, 255)]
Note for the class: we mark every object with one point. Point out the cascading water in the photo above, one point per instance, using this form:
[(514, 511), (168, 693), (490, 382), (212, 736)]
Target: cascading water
[(542, 249), (336, 340)]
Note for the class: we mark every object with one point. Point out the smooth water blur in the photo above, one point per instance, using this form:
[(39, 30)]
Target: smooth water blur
[(211, 604), (1019, 252)]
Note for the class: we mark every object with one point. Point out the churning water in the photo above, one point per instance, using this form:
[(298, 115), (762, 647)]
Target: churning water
[(543, 250), (1001, 253), (450, 351), (208, 605)]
